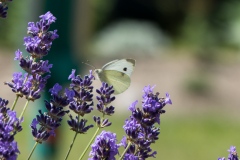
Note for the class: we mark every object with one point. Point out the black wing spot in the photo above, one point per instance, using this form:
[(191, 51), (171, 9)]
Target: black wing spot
[(125, 69)]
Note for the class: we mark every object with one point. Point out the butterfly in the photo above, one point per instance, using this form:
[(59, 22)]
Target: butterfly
[(117, 73)]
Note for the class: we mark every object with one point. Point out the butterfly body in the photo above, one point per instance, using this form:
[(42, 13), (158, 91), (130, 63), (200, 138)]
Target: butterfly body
[(117, 73)]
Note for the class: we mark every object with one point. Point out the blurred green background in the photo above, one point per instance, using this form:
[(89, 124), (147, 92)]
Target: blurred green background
[(187, 48)]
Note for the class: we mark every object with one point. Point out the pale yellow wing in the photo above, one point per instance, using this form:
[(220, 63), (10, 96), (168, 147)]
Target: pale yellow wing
[(118, 80)]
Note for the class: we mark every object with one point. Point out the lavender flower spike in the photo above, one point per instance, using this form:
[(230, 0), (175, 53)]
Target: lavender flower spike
[(140, 129), (232, 154), (104, 147), (104, 98), (9, 126), (40, 41), (81, 97)]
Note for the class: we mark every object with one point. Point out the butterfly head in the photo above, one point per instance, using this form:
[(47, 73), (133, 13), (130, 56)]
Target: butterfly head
[(96, 72)]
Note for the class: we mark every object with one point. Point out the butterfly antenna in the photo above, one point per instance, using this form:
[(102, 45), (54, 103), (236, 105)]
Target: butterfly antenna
[(89, 64)]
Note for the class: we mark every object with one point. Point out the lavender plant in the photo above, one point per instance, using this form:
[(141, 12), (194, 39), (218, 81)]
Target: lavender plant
[(31, 83), (76, 101)]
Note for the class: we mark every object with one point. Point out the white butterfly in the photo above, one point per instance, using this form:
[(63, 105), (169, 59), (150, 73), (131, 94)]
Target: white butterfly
[(117, 73)]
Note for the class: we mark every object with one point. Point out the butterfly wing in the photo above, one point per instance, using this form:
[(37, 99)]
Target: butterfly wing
[(123, 65), (118, 80)]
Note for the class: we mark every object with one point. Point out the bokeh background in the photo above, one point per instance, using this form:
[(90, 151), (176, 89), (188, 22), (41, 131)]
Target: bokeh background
[(188, 48)]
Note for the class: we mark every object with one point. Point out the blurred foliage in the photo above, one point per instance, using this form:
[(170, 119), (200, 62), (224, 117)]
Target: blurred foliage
[(190, 23), (198, 84), (101, 11), (13, 28)]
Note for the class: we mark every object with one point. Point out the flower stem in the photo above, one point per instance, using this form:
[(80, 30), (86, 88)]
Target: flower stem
[(70, 148), (35, 145), (15, 102), (25, 107), (129, 144), (90, 142)]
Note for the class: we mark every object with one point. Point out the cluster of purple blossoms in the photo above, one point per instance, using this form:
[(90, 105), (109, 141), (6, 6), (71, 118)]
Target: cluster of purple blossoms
[(32, 83), (104, 147), (3, 8), (140, 129), (9, 126), (80, 101), (105, 98), (232, 154), (51, 119)]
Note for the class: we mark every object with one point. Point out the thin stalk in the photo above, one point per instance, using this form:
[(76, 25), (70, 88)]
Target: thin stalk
[(90, 142), (70, 148), (25, 107), (35, 145), (15, 102), (129, 144)]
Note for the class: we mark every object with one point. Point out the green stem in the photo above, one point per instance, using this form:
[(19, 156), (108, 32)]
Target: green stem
[(90, 142), (35, 145), (25, 107), (70, 148), (15, 102), (129, 144)]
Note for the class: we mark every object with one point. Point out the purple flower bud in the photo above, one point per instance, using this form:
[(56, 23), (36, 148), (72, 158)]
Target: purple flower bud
[(79, 126), (3, 10), (18, 55), (48, 17), (56, 89)]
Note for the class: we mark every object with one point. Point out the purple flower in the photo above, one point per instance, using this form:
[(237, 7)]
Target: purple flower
[(21, 84), (32, 28), (140, 129), (167, 99), (48, 17), (51, 119), (40, 41), (70, 94), (132, 128), (27, 85), (9, 126), (56, 89), (104, 147), (18, 55), (58, 100), (232, 154), (40, 134), (72, 75), (41, 67), (153, 106)]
